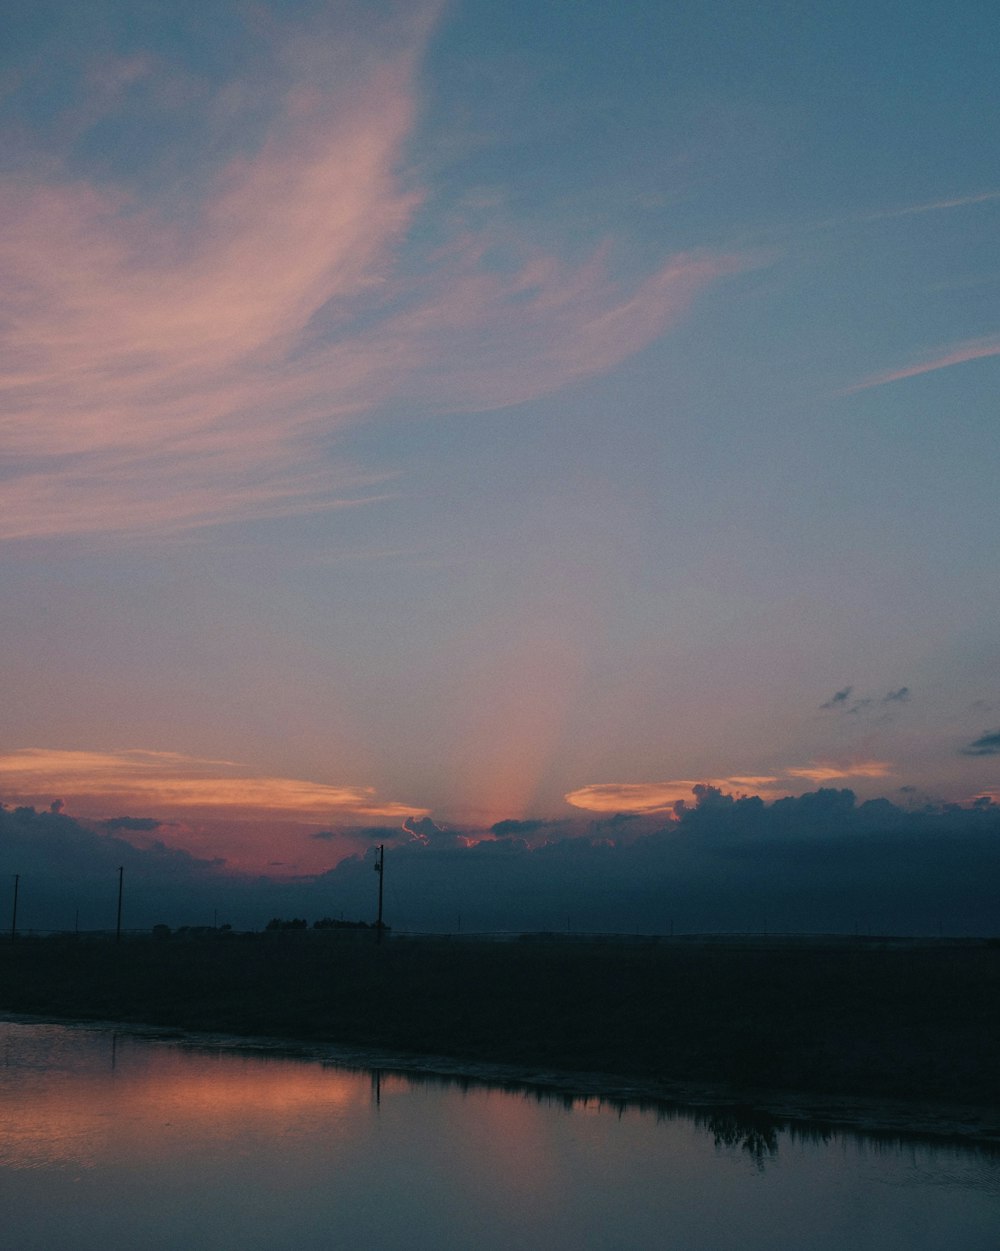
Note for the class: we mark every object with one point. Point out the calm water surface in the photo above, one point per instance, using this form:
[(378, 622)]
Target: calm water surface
[(115, 1141)]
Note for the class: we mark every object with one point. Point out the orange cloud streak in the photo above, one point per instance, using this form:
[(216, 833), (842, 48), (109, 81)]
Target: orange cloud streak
[(654, 796), (165, 783), (651, 797), (824, 771)]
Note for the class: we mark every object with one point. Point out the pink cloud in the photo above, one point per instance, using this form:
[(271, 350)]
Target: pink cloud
[(179, 364)]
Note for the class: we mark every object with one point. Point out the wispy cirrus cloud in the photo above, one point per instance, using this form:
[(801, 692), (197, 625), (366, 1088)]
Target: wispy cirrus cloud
[(166, 784), (182, 361), (941, 358), (937, 206)]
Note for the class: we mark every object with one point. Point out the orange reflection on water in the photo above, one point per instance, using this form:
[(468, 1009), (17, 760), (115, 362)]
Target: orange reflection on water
[(510, 1134), (79, 1117)]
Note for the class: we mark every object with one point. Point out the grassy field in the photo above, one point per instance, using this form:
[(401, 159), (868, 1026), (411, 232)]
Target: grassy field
[(917, 1023)]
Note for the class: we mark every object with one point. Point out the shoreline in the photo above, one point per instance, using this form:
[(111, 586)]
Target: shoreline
[(881, 1041), (931, 1123)]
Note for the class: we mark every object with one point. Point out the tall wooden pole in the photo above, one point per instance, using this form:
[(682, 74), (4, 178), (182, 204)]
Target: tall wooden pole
[(13, 918), (380, 870), (118, 926)]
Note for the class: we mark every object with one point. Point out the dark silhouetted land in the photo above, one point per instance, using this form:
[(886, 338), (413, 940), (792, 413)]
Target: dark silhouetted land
[(906, 1022)]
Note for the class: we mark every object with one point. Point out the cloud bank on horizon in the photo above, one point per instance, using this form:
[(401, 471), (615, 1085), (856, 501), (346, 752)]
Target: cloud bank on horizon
[(820, 862), (452, 418)]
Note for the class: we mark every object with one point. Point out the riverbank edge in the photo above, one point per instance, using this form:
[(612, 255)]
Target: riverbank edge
[(928, 1122)]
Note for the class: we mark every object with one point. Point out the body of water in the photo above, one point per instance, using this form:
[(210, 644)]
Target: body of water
[(111, 1140)]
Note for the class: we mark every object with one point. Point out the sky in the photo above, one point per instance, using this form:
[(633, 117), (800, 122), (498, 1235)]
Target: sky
[(466, 420)]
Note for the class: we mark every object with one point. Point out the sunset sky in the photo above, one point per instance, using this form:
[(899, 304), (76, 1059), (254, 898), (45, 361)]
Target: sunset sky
[(494, 412)]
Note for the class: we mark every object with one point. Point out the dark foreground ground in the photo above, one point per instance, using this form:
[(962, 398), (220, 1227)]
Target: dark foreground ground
[(912, 1023)]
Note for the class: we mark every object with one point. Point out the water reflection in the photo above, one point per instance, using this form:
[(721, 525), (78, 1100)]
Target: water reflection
[(750, 1131), (112, 1140)]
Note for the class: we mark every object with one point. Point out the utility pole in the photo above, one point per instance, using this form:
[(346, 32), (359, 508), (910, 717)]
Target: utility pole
[(13, 919), (118, 926), (380, 870)]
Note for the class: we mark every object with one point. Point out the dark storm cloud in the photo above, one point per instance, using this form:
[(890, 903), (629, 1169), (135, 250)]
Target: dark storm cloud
[(986, 745), (615, 824), (371, 833), (503, 846), (426, 833), (839, 699), (821, 861), (816, 862), (69, 875), (901, 696), (510, 826)]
